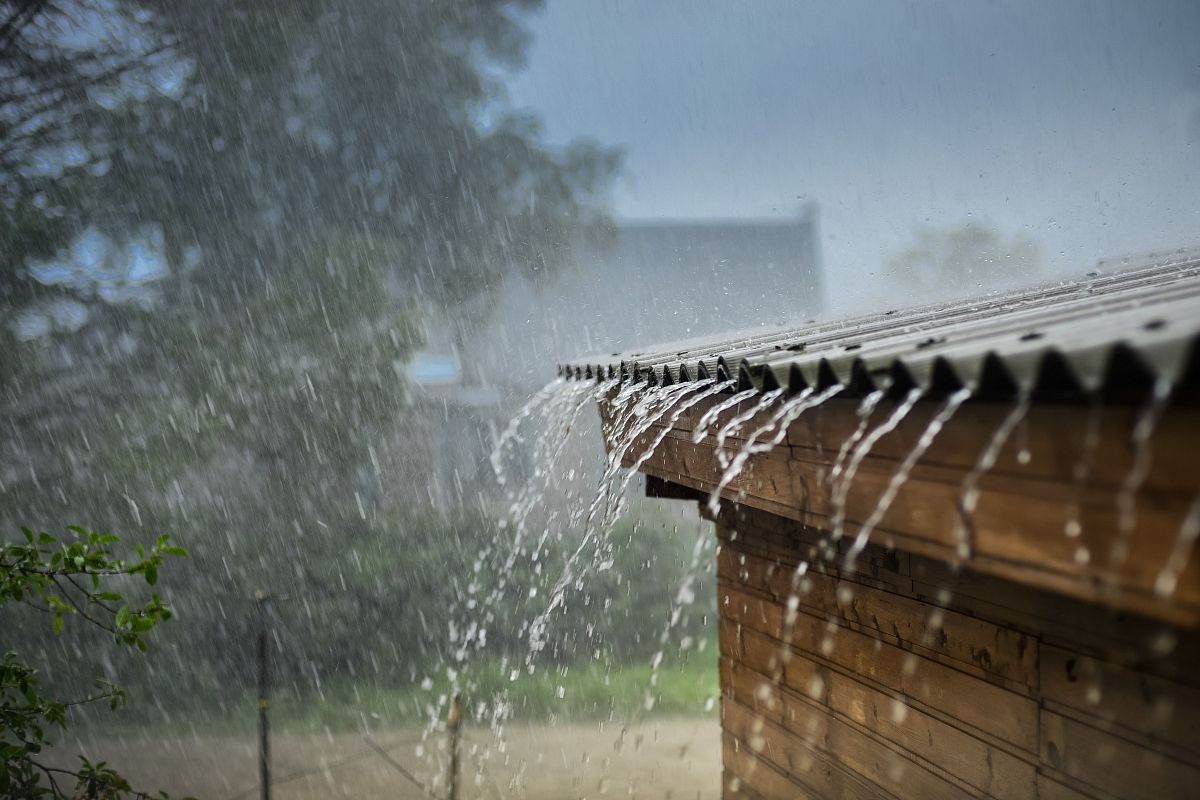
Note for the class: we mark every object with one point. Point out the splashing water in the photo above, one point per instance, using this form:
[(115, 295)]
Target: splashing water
[(1143, 432), (552, 412), (553, 419), (865, 409), (550, 415), (648, 410), (1081, 472), (510, 435), (777, 426), (685, 596), (633, 411), (711, 415), (1185, 543), (735, 423), (842, 491), (902, 472), (709, 388), (558, 420), (968, 496)]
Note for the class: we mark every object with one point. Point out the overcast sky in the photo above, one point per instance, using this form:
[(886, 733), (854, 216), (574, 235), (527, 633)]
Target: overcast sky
[(1077, 123)]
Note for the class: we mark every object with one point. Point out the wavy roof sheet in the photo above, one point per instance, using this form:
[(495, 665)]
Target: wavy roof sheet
[(1112, 334)]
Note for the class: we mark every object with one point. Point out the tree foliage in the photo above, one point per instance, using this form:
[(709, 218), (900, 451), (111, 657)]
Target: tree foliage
[(76, 578), (309, 181)]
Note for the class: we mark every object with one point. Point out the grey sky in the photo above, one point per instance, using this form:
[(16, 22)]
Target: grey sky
[(1077, 123)]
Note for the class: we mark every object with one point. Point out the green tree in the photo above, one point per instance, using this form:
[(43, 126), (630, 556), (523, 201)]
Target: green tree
[(69, 579), (329, 174), (326, 175), (65, 65)]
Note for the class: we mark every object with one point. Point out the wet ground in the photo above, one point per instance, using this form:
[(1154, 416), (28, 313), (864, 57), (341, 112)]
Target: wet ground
[(659, 759)]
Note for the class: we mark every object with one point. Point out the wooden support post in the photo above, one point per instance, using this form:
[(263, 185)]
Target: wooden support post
[(454, 725), (264, 699)]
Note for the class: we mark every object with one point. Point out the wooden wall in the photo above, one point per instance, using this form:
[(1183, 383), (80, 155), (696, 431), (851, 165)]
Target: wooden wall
[(909, 680), (1019, 525)]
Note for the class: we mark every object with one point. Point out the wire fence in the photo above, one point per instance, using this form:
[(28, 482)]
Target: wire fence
[(375, 750), (268, 625)]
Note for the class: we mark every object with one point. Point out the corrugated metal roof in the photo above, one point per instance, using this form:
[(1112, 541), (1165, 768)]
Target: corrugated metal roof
[(1113, 334)]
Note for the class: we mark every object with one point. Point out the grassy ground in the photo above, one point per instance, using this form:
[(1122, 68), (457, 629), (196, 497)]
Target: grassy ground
[(589, 692)]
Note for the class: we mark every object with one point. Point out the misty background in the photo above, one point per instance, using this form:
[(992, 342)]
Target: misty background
[(274, 277), (1076, 124)]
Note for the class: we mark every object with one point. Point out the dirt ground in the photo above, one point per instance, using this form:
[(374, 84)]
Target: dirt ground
[(677, 759)]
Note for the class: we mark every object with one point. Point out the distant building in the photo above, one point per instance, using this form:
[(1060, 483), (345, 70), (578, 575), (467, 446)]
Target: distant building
[(661, 280)]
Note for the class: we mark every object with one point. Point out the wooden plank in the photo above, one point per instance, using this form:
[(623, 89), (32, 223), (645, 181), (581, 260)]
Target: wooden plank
[(665, 490), (1052, 438), (1104, 694), (1151, 645), (981, 707), (979, 644), (1114, 764), (747, 529), (1018, 534), (1050, 789), (770, 744), (733, 787), (754, 777), (873, 759), (986, 769), (1017, 521)]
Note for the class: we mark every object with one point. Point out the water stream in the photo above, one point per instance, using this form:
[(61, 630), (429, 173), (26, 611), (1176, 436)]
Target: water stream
[(968, 497), (648, 410), (735, 423), (551, 414), (1185, 542), (701, 390), (865, 409), (711, 415), (1140, 440), (935, 426), (511, 434), (777, 426), (1082, 470), (639, 419), (842, 490)]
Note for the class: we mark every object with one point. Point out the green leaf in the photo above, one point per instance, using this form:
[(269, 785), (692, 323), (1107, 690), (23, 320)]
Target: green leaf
[(58, 624)]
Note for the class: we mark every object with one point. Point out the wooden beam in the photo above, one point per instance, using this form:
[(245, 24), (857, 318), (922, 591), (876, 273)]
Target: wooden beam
[(1060, 465), (666, 490)]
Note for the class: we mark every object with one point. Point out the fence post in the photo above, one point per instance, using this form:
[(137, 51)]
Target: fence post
[(454, 725), (264, 699)]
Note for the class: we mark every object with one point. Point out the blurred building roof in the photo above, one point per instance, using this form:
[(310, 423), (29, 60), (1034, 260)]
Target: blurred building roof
[(1112, 333), (660, 280)]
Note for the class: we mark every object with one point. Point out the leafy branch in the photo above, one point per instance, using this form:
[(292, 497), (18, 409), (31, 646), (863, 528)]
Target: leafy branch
[(69, 578)]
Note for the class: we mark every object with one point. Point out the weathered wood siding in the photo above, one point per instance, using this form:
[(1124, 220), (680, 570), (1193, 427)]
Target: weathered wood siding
[(1057, 459), (907, 679)]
